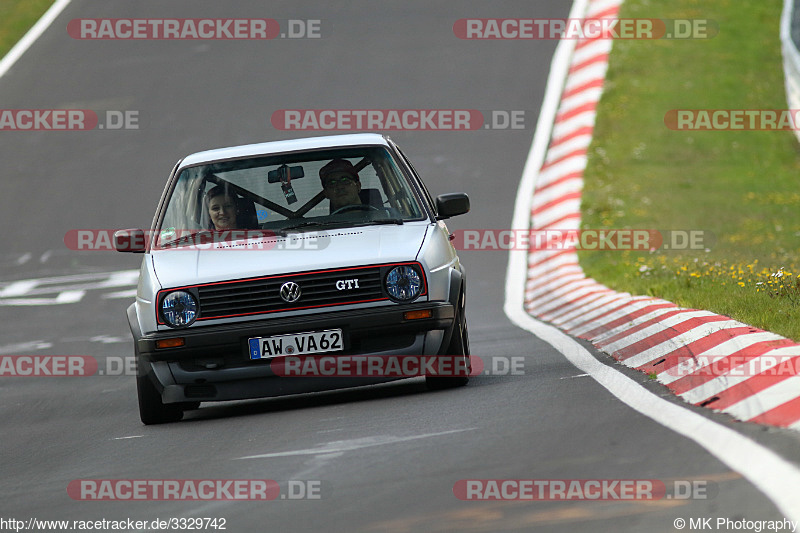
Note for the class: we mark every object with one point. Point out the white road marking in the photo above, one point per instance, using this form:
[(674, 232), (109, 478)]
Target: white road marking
[(25, 347), (67, 289), (122, 278), (131, 293), (107, 339), (776, 477), (340, 446), (68, 297), (18, 288)]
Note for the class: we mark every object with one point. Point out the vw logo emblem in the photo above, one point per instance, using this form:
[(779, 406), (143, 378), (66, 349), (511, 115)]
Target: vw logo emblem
[(290, 292)]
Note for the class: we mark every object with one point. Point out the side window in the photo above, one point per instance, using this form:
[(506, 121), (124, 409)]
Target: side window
[(425, 193)]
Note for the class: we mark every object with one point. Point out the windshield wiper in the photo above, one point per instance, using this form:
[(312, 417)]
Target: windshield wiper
[(398, 221), (315, 224), (343, 223)]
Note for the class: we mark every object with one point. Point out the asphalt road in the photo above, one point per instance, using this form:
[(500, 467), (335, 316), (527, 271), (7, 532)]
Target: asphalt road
[(386, 457)]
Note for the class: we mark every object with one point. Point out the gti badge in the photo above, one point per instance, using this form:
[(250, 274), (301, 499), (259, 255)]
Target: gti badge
[(290, 292), (343, 284)]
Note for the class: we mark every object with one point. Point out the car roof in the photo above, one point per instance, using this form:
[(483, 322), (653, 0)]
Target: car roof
[(292, 145)]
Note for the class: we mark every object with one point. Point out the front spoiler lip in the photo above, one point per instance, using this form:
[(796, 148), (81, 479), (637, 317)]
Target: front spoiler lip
[(233, 337), (269, 387)]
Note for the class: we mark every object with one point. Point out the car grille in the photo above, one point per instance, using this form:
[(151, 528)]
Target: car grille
[(263, 295)]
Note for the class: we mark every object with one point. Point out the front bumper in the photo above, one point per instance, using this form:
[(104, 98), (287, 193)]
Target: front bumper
[(214, 363)]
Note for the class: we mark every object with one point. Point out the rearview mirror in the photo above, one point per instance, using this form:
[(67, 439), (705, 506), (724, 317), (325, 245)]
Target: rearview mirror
[(285, 173), (452, 204)]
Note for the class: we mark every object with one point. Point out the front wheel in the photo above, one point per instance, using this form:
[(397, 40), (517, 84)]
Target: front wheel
[(151, 409), (459, 346)]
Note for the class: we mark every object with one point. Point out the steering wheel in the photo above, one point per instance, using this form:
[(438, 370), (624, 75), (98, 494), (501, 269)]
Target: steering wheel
[(355, 207)]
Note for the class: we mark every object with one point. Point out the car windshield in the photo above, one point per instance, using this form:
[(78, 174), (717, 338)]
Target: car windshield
[(304, 191)]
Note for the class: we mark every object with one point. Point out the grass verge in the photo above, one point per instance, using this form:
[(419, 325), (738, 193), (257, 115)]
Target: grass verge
[(740, 186), (16, 18)]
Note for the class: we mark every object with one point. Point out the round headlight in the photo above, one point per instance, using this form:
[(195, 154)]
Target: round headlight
[(403, 283), (179, 308)]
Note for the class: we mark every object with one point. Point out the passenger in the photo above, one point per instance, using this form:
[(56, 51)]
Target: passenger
[(340, 184), (222, 208)]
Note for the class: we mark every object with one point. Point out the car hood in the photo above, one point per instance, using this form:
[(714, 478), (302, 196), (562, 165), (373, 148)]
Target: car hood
[(296, 253)]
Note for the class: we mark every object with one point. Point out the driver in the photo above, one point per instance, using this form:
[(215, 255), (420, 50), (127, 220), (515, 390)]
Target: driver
[(340, 184)]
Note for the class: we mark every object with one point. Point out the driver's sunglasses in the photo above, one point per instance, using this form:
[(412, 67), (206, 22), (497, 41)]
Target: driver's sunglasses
[(328, 183)]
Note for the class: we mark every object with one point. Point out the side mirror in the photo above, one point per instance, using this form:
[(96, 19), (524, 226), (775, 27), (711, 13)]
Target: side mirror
[(130, 240), (452, 204)]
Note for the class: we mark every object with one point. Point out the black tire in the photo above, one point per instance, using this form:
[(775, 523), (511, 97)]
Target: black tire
[(459, 346), (151, 409)]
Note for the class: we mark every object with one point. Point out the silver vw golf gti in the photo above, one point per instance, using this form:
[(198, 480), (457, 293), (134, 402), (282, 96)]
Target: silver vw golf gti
[(295, 266)]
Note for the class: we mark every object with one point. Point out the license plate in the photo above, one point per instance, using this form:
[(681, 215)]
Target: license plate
[(329, 340)]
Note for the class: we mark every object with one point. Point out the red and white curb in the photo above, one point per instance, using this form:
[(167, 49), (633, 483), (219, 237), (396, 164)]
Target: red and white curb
[(732, 367)]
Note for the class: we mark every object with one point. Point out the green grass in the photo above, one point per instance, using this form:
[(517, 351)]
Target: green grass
[(16, 18), (742, 186)]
